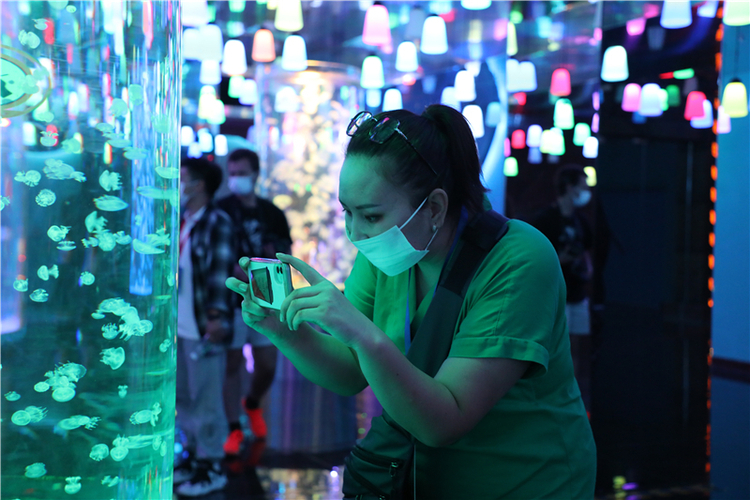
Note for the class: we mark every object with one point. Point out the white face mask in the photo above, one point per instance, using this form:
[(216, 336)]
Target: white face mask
[(390, 251), (582, 198), (241, 184)]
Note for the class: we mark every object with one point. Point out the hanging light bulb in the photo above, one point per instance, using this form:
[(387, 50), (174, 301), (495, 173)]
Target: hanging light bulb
[(494, 114), (406, 57), (546, 141), (413, 29), (193, 13), (615, 64), (465, 86), (235, 59), (211, 43), (707, 119), (512, 42), (377, 29), (650, 101), (694, 104), (518, 139), (557, 142), (506, 147), (708, 8), (534, 136), (286, 100), (527, 77), (676, 14), (535, 156), (591, 147), (590, 176), (264, 49), (563, 114), (475, 4), (510, 167), (560, 85), (631, 97), (191, 44), (205, 140), (636, 26), (372, 73), (734, 99), (236, 84), (294, 54), (249, 94), (236, 6), (664, 99), (736, 13), (392, 100), (513, 83), (448, 98), (218, 113), (581, 132), (210, 73), (373, 97), (434, 36), (595, 123), (221, 147), (723, 122), (288, 16), (28, 135), (673, 95), (194, 150), (474, 67), (187, 135)]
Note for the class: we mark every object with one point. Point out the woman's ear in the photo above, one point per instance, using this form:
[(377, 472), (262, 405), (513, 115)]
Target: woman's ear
[(438, 203)]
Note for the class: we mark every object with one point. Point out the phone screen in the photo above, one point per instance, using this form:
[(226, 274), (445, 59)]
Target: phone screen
[(261, 282)]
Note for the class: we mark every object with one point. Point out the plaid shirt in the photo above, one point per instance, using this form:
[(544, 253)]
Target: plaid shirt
[(212, 244)]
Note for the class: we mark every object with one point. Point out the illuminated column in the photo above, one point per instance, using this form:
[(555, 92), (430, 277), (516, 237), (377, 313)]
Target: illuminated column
[(89, 195)]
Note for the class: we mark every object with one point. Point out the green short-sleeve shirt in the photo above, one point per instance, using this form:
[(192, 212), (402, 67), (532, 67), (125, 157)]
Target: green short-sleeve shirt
[(536, 442)]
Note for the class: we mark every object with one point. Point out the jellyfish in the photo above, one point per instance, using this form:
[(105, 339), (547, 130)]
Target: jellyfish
[(39, 295), (71, 8), (161, 123), (72, 146), (4, 202), (87, 278), (135, 94), (107, 241), (118, 107), (48, 139), (63, 394), (31, 40), (146, 248), (163, 450), (110, 481), (114, 357), (57, 233), (117, 140), (41, 387), (105, 128), (134, 153), (77, 421), (90, 242), (146, 416), (118, 453), (12, 396), (66, 246), (168, 172), (56, 169), (73, 486), (157, 442), (94, 223), (45, 272), (110, 181), (110, 203), (43, 116), (72, 371), (21, 285), (45, 198), (123, 239), (40, 24), (122, 391), (30, 178), (109, 331), (36, 470), (164, 346), (21, 417)]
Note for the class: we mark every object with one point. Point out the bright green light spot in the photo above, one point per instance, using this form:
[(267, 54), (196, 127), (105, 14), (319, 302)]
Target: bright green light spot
[(510, 168), (673, 95), (684, 74), (236, 5), (516, 17)]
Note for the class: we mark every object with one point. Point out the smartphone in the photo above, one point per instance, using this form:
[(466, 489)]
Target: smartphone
[(270, 282)]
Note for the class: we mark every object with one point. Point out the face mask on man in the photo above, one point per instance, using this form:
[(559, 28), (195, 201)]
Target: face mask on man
[(582, 198), (390, 251), (241, 184)]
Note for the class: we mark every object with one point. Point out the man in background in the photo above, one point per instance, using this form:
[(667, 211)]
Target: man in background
[(204, 327), (570, 233), (261, 230)]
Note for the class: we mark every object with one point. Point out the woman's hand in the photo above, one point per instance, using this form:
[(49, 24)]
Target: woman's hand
[(260, 318), (324, 305)]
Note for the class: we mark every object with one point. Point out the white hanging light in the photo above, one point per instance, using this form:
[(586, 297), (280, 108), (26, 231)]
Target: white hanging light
[(534, 136), (234, 61), (373, 98), (591, 147), (249, 93), (221, 147), (448, 98), (205, 140), (191, 44), (372, 73), (210, 72), (473, 115), (723, 121), (406, 57), (615, 64), (707, 120), (465, 86), (288, 16), (676, 14), (434, 36), (193, 13), (286, 100), (527, 77), (512, 82), (475, 4), (708, 9), (294, 54), (187, 135), (494, 114), (650, 101), (392, 100), (211, 43), (736, 13)]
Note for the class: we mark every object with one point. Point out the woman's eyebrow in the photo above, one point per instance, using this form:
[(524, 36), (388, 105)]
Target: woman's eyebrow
[(361, 207)]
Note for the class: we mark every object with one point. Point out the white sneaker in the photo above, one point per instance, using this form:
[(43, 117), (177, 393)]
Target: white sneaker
[(183, 472), (208, 477)]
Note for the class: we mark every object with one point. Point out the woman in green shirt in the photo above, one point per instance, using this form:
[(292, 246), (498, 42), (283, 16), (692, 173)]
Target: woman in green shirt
[(503, 417)]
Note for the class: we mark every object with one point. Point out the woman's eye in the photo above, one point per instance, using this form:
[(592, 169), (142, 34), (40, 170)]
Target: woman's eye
[(372, 218)]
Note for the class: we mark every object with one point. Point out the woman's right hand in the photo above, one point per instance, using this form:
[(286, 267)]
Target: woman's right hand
[(265, 320)]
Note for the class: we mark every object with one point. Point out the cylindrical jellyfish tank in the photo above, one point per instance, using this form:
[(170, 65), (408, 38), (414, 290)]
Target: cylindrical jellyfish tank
[(89, 193)]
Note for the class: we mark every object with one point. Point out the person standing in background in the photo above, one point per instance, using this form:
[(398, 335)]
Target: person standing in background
[(570, 233), (261, 230), (204, 327)]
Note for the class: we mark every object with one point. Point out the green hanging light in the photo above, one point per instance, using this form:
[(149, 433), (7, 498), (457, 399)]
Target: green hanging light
[(510, 167), (581, 132), (734, 99)]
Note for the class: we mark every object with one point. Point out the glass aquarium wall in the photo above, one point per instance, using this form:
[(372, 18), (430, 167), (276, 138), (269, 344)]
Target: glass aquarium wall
[(89, 195)]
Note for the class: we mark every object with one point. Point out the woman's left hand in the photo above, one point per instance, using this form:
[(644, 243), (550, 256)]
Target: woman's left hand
[(322, 304)]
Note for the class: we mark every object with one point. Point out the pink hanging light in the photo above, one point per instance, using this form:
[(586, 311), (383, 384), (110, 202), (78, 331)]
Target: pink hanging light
[(560, 85), (518, 139), (694, 105), (636, 26), (264, 49), (631, 97), (377, 29)]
